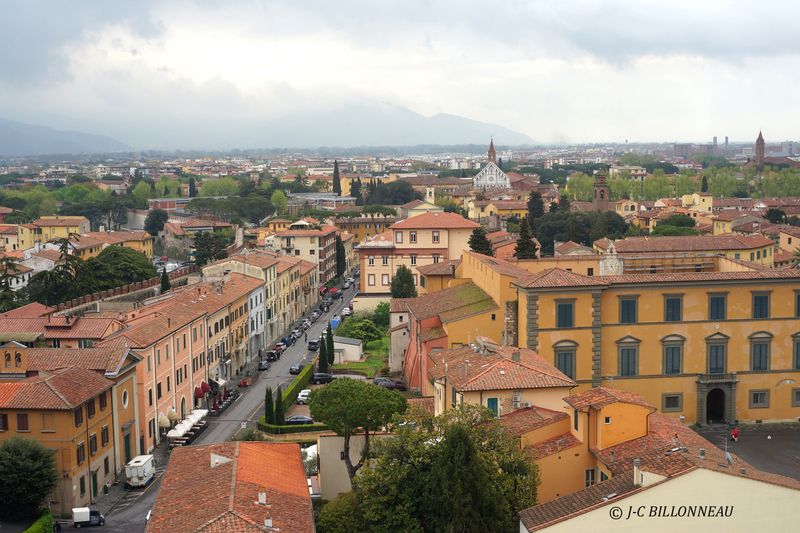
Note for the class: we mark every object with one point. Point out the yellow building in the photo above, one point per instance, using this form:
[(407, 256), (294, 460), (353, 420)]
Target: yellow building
[(48, 228), (698, 201), (365, 226), (85, 247), (708, 346), (69, 410), (754, 248), (417, 241), (141, 241)]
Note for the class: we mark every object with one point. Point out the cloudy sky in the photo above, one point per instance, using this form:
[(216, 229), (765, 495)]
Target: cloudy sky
[(150, 72)]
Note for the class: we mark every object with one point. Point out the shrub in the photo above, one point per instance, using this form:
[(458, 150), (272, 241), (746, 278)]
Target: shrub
[(299, 428), (297, 384), (44, 524)]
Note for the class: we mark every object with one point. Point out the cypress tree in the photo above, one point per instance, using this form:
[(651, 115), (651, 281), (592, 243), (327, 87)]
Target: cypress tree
[(704, 184), (535, 207), (322, 363), (341, 260), (165, 284), (525, 247), (269, 407), (337, 182), (355, 191), (479, 243), (280, 413), (329, 348), (192, 187), (403, 283)]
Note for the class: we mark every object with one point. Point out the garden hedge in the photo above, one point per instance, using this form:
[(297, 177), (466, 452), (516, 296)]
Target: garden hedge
[(298, 428), (298, 383)]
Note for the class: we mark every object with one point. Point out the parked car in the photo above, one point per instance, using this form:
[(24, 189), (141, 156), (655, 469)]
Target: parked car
[(313, 345), (296, 368), (315, 316), (350, 280), (302, 398), (264, 364), (389, 383), (297, 420), (346, 311), (346, 285), (321, 377), (280, 347), (337, 295), (306, 323), (296, 333)]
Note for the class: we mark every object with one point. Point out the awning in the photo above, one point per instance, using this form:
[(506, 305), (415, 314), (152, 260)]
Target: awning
[(221, 382), (333, 289), (198, 393), (206, 388), (200, 412), (226, 361), (176, 432)]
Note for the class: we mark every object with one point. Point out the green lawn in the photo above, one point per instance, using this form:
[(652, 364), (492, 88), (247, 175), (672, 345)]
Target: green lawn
[(375, 354)]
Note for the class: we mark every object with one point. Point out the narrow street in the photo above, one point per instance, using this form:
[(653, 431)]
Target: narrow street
[(128, 514)]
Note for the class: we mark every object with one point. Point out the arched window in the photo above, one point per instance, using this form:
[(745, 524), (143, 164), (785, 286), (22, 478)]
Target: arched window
[(8, 360), (18, 360), (565, 357)]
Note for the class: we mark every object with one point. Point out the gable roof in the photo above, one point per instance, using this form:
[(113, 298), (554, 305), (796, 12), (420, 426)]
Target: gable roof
[(598, 397), (31, 310), (109, 360), (557, 277), (432, 220), (521, 421), (691, 243), (442, 268), (61, 389), (452, 303), (215, 488)]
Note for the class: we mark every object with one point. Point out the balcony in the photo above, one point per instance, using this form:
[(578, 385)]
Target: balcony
[(716, 378)]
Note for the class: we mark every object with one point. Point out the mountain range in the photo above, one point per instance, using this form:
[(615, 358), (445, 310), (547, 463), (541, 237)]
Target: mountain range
[(362, 125)]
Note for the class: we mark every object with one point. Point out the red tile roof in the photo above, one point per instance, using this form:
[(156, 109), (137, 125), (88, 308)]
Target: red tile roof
[(522, 421), (598, 397), (62, 389), (31, 310), (555, 278), (215, 488), (104, 359), (695, 243), (435, 221), (452, 304), (553, 445), (425, 403), (50, 254), (501, 266), (442, 268)]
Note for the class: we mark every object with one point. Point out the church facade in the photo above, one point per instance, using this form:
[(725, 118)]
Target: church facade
[(491, 176)]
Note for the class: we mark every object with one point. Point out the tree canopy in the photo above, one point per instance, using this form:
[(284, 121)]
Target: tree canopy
[(154, 223), (577, 226), (479, 243), (525, 248), (27, 476), (210, 246), (349, 407), (403, 283)]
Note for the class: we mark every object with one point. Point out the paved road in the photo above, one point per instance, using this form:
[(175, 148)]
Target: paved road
[(128, 515)]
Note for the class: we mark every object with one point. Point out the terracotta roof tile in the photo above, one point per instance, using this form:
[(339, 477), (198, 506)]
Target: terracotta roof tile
[(425, 403), (436, 221), (696, 243), (553, 445), (31, 310), (64, 388), (451, 304), (103, 359), (215, 488), (598, 397), (556, 277), (521, 421), (442, 268)]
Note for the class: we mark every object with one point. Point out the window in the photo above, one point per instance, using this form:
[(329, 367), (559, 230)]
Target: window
[(93, 444), (672, 308), (422, 281), (149, 364), (384, 279), (413, 259), (415, 280), (575, 419), (3, 422), (628, 360), (795, 397), (398, 237), (104, 436), (435, 236), (627, 310), (158, 391), (311, 251), (385, 260), (85, 343), (589, 477), (716, 358), (150, 397), (412, 237), (105, 466), (371, 279), (607, 420), (83, 483), (81, 456), (673, 355), (453, 397), (565, 362), (48, 422), (167, 383), (371, 260), (436, 258), (796, 350), (603, 476), (590, 272), (565, 316), (125, 399), (759, 399), (672, 402), (717, 304), (760, 305), (797, 304), (22, 422), (90, 408), (78, 416), (759, 355)]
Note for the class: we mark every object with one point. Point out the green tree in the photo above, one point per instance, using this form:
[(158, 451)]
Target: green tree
[(403, 283), (192, 187), (349, 407), (341, 261), (380, 315), (224, 186), (341, 515), (116, 266), (355, 191), (337, 182), (676, 225), (704, 184), (479, 243), (279, 201), (535, 207), (269, 407), (27, 476), (280, 412), (330, 349), (154, 223), (463, 492), (360, 328), (210, 246), (9, 268), (322, 359), (580, 186), (776, 216), (657, 187), (165, 285), (525, 247)]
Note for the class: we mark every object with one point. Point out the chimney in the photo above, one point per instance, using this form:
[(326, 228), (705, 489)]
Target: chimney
[(702, 453), (169, 322), (515, 356), (67, 318), (637, 473), (268, 523)]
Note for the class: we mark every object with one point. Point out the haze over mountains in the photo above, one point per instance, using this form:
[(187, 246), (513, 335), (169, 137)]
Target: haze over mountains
[(348, 126)]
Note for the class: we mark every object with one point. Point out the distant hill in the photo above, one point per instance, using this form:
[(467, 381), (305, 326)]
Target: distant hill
[(19, 139)]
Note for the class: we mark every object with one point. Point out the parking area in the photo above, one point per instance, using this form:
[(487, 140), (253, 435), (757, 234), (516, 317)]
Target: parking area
[(770, 447)]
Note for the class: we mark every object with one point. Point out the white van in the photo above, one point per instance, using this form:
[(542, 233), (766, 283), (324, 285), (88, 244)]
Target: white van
[(140, 471)]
